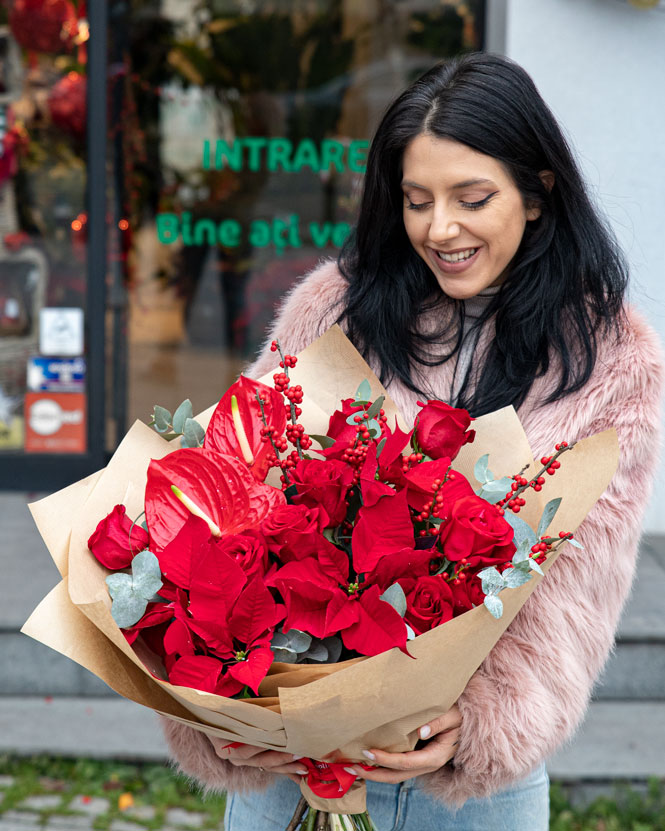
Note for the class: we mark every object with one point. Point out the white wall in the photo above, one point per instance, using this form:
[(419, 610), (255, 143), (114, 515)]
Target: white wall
[(600, 65)]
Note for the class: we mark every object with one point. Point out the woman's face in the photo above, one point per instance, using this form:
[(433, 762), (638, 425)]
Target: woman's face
[(462, 213)]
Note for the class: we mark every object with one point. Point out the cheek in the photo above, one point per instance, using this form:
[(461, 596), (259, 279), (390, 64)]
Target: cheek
[(413, 227)]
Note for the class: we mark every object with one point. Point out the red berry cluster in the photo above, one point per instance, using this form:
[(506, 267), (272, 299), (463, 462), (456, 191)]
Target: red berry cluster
[(356, 451), (411, 459), (433, 506), (270, 434), (513, 499)]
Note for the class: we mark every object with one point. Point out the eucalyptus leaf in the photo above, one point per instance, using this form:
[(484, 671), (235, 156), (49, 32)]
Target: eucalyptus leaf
[(162, 418), (410, 634), (480, 468), (286, 656), (334, 646), (535, 567), (324, 441), (317, 652), (492, 581), (183, 412), (380, 446), (364, 391), (522, 554), (127, 607), (146, 576), (298, 641), (494, 605), (394, 595), (193, 434), (279, 640), (574, 542), (374, 428), (548, 515), (350, 419), (515, 577), (376, 407), (523, 531)]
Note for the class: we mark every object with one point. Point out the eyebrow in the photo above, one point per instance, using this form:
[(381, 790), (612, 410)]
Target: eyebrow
[(465, 184)]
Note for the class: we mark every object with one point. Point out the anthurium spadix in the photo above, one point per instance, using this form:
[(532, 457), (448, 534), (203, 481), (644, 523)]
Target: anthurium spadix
[(218, 488), (236, 425)]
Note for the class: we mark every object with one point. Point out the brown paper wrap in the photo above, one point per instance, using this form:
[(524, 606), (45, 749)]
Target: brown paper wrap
[(332, 711)]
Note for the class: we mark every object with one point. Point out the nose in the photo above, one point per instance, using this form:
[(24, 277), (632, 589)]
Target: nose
[(443, 226)]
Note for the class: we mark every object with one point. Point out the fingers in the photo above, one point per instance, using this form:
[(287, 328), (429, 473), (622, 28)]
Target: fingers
[(258, 757), (449, 720), (396, 767)]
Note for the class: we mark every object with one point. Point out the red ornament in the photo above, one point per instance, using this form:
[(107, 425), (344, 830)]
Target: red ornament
[(67, 103), (44, 25)]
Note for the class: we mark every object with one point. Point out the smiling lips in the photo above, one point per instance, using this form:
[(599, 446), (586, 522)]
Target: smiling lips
[(455, 261)]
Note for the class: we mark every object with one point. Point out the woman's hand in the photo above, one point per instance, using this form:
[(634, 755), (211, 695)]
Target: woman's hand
[(272, 761), (442, 735)]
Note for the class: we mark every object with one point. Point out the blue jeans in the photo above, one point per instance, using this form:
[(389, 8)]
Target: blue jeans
[(406, 807)]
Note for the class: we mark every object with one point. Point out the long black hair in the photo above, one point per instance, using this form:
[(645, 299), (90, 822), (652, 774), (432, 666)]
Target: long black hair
[(566, 282)]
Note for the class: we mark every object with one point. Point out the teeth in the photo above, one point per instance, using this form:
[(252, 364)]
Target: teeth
[(458, 257)]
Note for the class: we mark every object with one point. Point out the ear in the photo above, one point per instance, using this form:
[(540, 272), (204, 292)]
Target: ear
[(547, 178)]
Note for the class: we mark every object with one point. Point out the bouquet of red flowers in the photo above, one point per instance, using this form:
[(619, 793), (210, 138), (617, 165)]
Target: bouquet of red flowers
[(259, 570)]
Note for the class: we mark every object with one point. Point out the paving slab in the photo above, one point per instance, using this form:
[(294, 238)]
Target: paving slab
[(100, 728), (41, 802), (618, 740), (90, 805)]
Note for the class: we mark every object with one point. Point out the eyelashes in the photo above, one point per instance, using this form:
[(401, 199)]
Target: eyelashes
[(473, 206), (470, 206)]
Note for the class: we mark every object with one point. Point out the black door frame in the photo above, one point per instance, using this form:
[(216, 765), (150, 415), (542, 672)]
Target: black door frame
[(51, 471)]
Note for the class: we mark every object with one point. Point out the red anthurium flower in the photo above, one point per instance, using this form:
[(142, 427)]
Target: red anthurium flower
[(116, 540), (381, 529), (476, 529), (379, 627), (441, 429), (322, 483), (219, 488), (223, 431), (420, 477)]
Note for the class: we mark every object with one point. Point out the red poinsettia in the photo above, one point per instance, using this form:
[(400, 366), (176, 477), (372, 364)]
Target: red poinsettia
[(237, 429)]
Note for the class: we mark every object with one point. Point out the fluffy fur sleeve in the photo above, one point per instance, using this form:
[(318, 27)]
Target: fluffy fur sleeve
[(532, 690), (310, 308)]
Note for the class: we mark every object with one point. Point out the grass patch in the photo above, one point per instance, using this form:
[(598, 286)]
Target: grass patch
[(146, 784), (155, 785), (628, 809)]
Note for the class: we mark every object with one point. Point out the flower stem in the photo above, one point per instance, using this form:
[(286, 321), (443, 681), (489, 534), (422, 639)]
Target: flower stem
[(298, 814), (265, 424)]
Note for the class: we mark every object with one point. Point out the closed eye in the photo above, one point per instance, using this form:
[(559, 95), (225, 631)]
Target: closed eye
[(473, 206), (416, 206)]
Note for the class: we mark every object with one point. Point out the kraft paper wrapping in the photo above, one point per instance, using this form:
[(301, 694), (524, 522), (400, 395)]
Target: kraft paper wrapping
[(330, 711)]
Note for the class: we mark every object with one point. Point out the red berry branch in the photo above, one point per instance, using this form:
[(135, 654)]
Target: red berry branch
[(513, 500), (295, 433)]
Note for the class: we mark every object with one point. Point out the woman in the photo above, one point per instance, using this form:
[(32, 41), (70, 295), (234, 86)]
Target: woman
[(481, 274)]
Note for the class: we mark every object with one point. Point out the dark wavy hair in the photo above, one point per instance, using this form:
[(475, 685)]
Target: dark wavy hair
[(568, 277)]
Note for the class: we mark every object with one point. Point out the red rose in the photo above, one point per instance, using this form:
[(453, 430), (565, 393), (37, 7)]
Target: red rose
[(249, 550), (116, 540), (429, 602), (441, 429), (294, 531), (467, 593), (476, 528), (322, 484)]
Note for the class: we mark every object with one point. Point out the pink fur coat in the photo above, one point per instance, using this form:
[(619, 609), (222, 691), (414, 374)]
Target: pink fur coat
[(532, 690)]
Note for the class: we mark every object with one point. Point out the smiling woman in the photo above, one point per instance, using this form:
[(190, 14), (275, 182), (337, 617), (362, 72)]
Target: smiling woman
[(463, 214), (479, 273)]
